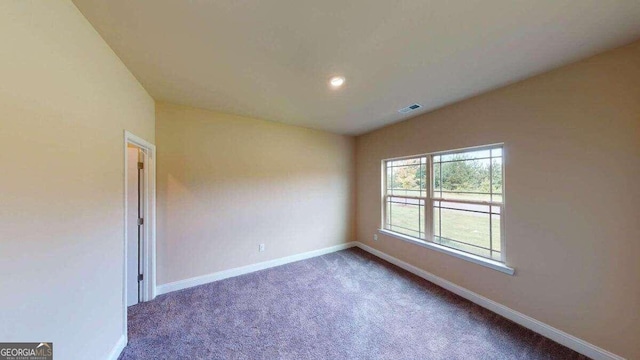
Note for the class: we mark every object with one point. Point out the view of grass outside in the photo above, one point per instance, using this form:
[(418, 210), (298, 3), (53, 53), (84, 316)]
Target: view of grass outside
[(406, 219), (473, 180), (470, 229)]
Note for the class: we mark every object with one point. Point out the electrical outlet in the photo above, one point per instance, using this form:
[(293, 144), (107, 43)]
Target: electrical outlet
[(261, 248), (375, 237)]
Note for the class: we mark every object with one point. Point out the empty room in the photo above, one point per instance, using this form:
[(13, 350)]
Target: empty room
[(243, 179)]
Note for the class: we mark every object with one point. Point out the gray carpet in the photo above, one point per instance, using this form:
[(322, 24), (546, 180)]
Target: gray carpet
[(344, 305)]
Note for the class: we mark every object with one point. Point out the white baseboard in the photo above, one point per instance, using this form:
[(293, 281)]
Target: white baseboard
[(225, 274), (117, 349), (541, 328)]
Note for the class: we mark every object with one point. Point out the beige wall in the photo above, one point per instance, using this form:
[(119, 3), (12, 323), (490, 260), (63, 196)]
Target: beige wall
[(228, 183), (65, 99), (572, 141)]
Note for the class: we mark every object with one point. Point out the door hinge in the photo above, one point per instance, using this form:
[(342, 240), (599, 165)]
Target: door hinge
[(140, 221), (140, 277), (140, 165)]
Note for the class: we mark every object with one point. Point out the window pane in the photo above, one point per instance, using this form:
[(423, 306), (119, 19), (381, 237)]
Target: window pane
[(407, 177), (436, 218), (422, 173), (466, 227), (466, 175), (496, 179), (456, 195), (387, 219), (405, 162), (465, 207), (436, 180), (496, 243), (405, 216), (389, 180)]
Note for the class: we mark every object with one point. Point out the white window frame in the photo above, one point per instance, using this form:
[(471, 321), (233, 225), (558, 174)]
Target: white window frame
[(429, 199)]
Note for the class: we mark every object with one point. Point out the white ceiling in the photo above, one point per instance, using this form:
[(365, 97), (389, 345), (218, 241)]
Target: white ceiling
[(273, 59)]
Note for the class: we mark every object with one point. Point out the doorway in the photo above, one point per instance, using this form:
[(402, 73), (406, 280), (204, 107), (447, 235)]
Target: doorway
[(139, 220), (135, 222)]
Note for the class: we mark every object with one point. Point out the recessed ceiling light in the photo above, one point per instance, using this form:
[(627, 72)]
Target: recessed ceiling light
[(336, 81)]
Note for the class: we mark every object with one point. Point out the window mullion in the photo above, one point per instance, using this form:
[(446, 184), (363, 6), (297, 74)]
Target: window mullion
[(428, 206), (473, 202)]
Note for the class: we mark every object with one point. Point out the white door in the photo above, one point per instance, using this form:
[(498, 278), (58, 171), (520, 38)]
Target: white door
[(134, 183)]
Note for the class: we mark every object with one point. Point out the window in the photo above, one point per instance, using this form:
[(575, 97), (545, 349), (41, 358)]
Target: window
[(453, 199)]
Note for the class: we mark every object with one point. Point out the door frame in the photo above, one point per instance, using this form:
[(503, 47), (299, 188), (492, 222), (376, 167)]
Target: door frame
[(148, 283)]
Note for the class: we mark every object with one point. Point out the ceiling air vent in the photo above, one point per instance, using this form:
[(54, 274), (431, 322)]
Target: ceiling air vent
[(410, 108)]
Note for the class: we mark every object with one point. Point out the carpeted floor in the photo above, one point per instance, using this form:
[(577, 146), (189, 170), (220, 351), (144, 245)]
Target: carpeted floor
[(344, 305)]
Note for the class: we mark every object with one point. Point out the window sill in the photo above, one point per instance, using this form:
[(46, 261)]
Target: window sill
[(492, 264)]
